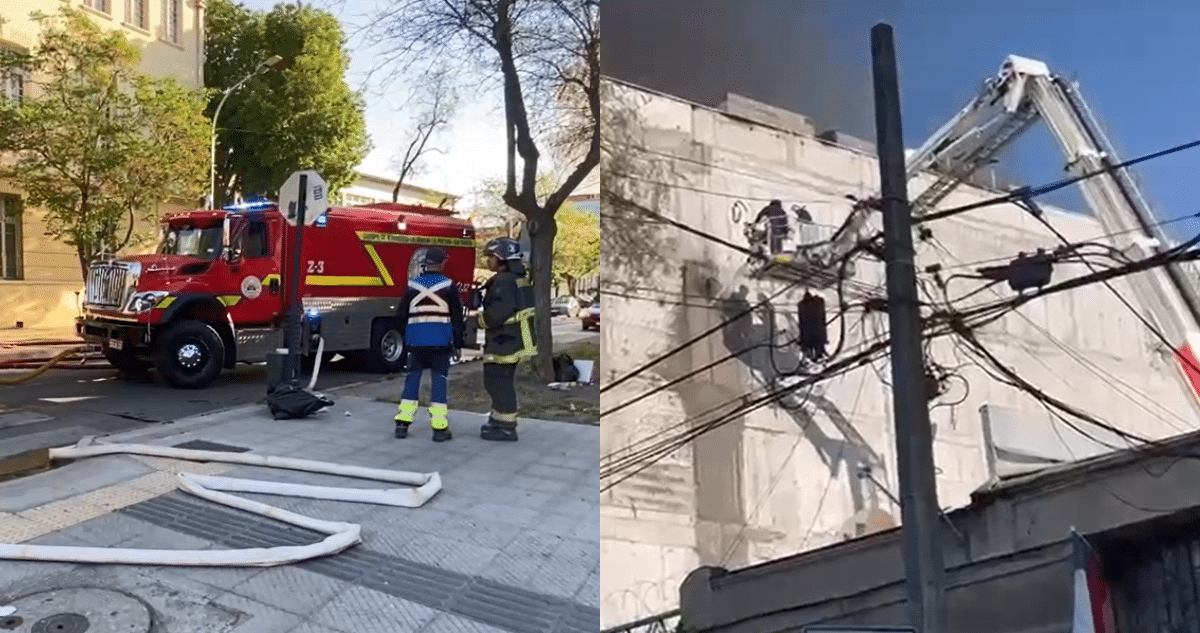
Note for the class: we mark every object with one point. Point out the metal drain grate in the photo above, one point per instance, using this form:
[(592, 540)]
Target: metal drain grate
[(205, 445), (487, 601)]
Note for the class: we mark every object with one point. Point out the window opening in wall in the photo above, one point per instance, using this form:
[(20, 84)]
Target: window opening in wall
[(10, 238), (137, 13), (12, 85), (1157, 589), (174, 20), (102, 6)]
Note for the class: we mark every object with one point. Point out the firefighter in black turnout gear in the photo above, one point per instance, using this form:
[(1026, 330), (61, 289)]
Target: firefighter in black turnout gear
[(777, 225), (432, 314), (507, 319)]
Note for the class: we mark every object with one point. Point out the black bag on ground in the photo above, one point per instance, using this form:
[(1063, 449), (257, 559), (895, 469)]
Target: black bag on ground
[(565, 369), (289, 403)]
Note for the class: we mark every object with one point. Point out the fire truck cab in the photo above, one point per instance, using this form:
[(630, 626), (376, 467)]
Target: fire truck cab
[(213, 293)]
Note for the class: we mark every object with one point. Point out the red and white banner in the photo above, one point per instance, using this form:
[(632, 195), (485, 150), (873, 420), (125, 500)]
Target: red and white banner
[(1093, 601)]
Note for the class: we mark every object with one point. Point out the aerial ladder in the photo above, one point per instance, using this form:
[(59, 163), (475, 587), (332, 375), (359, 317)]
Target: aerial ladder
[(1023, 93)]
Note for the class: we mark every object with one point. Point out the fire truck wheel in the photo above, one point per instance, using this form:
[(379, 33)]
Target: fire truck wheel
[(189, 355), (386, 355)]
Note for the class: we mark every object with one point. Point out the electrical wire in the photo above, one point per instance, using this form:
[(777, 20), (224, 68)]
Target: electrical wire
[(1025, 192), (1162, 338), (634, 460)]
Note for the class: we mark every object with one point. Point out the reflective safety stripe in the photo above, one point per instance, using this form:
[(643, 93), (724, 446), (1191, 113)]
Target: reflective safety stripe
[(437, 417), (503, 417), (427, 299), (429, 319), (408, 409), (521, 315), (507, 359)]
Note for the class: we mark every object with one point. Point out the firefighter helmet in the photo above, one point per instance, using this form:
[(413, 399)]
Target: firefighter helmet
[(503, 248)]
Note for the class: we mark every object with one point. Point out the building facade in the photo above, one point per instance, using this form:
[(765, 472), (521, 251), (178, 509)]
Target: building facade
[(40, 278), (1011, 556), (369, 189), (815, 467)]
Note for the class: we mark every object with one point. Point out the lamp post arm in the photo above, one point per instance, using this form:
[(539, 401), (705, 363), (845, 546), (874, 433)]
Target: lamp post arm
[(212, 154)]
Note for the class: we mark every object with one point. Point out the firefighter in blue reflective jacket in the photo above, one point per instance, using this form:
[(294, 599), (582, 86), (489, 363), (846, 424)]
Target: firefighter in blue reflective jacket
[(431, 313)]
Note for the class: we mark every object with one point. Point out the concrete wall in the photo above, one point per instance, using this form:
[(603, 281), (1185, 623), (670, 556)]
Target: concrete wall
[(781, 480), (45, 298)]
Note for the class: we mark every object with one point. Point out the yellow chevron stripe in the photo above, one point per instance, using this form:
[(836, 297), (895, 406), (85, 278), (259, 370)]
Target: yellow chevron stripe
[(383, 271), (340, 280)]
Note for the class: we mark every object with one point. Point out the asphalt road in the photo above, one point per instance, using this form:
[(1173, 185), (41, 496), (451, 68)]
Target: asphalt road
[(64, 405)]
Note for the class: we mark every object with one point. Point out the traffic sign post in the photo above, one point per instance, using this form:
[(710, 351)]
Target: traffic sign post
[(302, 199)]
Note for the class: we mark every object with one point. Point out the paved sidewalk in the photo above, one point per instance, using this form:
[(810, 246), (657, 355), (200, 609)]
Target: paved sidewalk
[(510, 545)]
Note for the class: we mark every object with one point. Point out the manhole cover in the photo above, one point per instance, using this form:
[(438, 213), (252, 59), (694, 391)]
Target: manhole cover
[(61, 623), (81, 610)]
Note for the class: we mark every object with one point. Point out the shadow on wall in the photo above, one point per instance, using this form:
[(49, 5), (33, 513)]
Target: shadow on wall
[(773, 358), (633, 245)]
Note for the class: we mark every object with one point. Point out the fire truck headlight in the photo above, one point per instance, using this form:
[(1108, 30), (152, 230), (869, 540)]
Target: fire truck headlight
[(145, 301)]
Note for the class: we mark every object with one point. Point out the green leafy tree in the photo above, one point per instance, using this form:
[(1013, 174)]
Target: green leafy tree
[(304, 117), (577, 245), (97, 144)]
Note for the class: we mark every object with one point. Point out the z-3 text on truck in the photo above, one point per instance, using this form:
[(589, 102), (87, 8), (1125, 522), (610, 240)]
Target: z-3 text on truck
[(212, 295)]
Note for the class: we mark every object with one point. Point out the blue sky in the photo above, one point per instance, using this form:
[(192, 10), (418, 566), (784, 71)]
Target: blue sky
[(1137, 64)]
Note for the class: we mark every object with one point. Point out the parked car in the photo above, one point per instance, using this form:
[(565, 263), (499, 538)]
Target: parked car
[(566, 305), (591, 316)]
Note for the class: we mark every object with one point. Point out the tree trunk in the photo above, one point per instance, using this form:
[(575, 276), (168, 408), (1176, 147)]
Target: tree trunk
[(84, 262), (571, 285), (541, 243)]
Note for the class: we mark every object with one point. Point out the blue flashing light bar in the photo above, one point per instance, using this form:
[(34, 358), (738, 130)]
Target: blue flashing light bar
[(256, 204)]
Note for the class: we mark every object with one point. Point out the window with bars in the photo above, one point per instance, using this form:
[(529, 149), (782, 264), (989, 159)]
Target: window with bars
[(137, 13), (12, 87), (10, 238), (174, 20)]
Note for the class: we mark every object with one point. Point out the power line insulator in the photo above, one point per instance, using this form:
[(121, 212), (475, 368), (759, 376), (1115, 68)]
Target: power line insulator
[(814, 335)]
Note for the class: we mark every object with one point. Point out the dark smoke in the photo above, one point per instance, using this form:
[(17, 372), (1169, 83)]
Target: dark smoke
[(806, 56)]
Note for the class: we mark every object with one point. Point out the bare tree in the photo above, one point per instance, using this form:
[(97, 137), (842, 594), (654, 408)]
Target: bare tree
[(438, 101), (545, 55)]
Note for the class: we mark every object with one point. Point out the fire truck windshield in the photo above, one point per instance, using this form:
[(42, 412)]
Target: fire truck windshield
[(191, 240)]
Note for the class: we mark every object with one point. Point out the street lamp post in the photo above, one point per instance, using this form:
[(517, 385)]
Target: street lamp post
[(274, 62)]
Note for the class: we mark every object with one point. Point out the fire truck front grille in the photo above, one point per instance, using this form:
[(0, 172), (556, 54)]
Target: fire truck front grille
[(109, 285)]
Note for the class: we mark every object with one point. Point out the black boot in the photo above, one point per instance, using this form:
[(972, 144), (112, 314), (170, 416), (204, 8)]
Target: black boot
[(401, 430), (498, 431), (442, 435)]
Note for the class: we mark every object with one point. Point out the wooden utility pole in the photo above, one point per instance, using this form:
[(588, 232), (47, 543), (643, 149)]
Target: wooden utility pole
[(923, 563)]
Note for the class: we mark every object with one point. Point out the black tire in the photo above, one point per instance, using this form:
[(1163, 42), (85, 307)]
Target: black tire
[(127, 363), (584, 326), (189, 354), (387, 353)]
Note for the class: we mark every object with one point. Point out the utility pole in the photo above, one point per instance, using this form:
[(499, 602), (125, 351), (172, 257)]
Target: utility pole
[(920, 515), (295, 312)]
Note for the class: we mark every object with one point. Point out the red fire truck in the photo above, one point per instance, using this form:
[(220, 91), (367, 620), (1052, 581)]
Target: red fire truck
[(213, 295)]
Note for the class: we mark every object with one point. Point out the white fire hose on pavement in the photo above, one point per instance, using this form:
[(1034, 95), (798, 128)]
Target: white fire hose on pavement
[(341, 535)]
